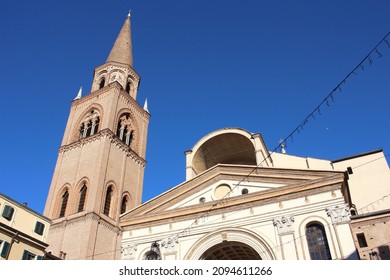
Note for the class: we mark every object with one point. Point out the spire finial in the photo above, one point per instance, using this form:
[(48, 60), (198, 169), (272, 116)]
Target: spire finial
[(79, 93), (129, 14), (146, 105)]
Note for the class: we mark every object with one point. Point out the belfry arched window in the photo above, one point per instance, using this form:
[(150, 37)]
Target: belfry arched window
[(317, 242), (90, 124), (82, 196), (128, 87), (107, 201), (102, 83), (124, 130), (64, 203)]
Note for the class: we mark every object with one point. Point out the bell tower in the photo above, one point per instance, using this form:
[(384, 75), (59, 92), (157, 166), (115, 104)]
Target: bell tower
[(100, 166)]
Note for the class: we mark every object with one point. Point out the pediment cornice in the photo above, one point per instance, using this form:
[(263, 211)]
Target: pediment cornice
[(298, 183)]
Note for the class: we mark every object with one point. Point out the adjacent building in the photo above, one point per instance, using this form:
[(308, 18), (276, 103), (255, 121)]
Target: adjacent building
[(23, 232)]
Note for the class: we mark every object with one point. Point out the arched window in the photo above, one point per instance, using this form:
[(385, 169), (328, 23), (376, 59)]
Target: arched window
[(128, 87), (64, 203), (107, 201), (83, 195), (102, 82), (124, 130), (90, 124), (124, 203), (317, 242)]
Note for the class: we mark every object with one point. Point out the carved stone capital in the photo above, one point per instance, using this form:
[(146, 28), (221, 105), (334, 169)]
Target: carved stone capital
[(168, 245), (339, 213), (284, 224), (128, 251)]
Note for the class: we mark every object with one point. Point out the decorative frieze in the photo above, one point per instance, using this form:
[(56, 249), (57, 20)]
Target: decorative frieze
[(339, 213), (284, 224)]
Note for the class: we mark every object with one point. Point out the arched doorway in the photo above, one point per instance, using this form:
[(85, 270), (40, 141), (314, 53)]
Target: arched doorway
[(230, 250)]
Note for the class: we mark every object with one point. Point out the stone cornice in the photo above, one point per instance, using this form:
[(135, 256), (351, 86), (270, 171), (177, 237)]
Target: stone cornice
[(229, 172), (105, 133), (88, 216)]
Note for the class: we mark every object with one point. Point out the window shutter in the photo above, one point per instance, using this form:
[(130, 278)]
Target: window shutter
[(25, 255), (8, 212), (5, 249), (39, 228)]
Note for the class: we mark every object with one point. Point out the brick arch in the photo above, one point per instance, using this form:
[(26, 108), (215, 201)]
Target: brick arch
[(58, 200), (136, 141), (113, 213), (234, 235), (130, 202), (76, 193), (76, 125)]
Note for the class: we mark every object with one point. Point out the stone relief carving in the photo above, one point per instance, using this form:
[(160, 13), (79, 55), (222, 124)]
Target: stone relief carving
[(284, 224)]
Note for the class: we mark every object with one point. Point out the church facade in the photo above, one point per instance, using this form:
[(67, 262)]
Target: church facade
[(239, 200)]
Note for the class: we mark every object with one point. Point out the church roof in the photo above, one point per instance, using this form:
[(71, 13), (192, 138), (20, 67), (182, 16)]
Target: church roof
[(122, 52)]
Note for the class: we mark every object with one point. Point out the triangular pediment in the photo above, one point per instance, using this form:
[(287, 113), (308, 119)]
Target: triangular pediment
[(230, 184)]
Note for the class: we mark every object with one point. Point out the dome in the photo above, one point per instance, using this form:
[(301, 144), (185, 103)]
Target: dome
[(226, 146)]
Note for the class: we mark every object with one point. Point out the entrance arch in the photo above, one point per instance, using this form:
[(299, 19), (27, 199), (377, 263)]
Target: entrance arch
[(231, 244), (230, 250)]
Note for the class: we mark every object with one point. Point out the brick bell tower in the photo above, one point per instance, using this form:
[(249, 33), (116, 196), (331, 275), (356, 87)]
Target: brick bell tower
[(100, 167)]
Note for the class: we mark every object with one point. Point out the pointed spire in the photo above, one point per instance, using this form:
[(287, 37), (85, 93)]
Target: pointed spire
[(122, 50), (146, 105), (79, 93)]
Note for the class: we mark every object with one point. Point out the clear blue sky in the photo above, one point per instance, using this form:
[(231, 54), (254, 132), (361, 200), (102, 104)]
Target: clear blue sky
[(204, 65)]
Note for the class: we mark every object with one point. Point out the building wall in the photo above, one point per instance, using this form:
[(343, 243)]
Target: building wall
[(369, 183)]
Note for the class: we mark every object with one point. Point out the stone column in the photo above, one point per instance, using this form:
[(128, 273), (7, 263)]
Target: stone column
[(169, 248)]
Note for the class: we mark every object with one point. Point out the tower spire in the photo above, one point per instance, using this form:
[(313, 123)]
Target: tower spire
[(122, 50)]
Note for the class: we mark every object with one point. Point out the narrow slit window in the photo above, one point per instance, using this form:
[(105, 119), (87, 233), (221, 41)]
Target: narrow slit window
[(102, 82), (83, 194), (107, 202), (64, 202), (124, 204)]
